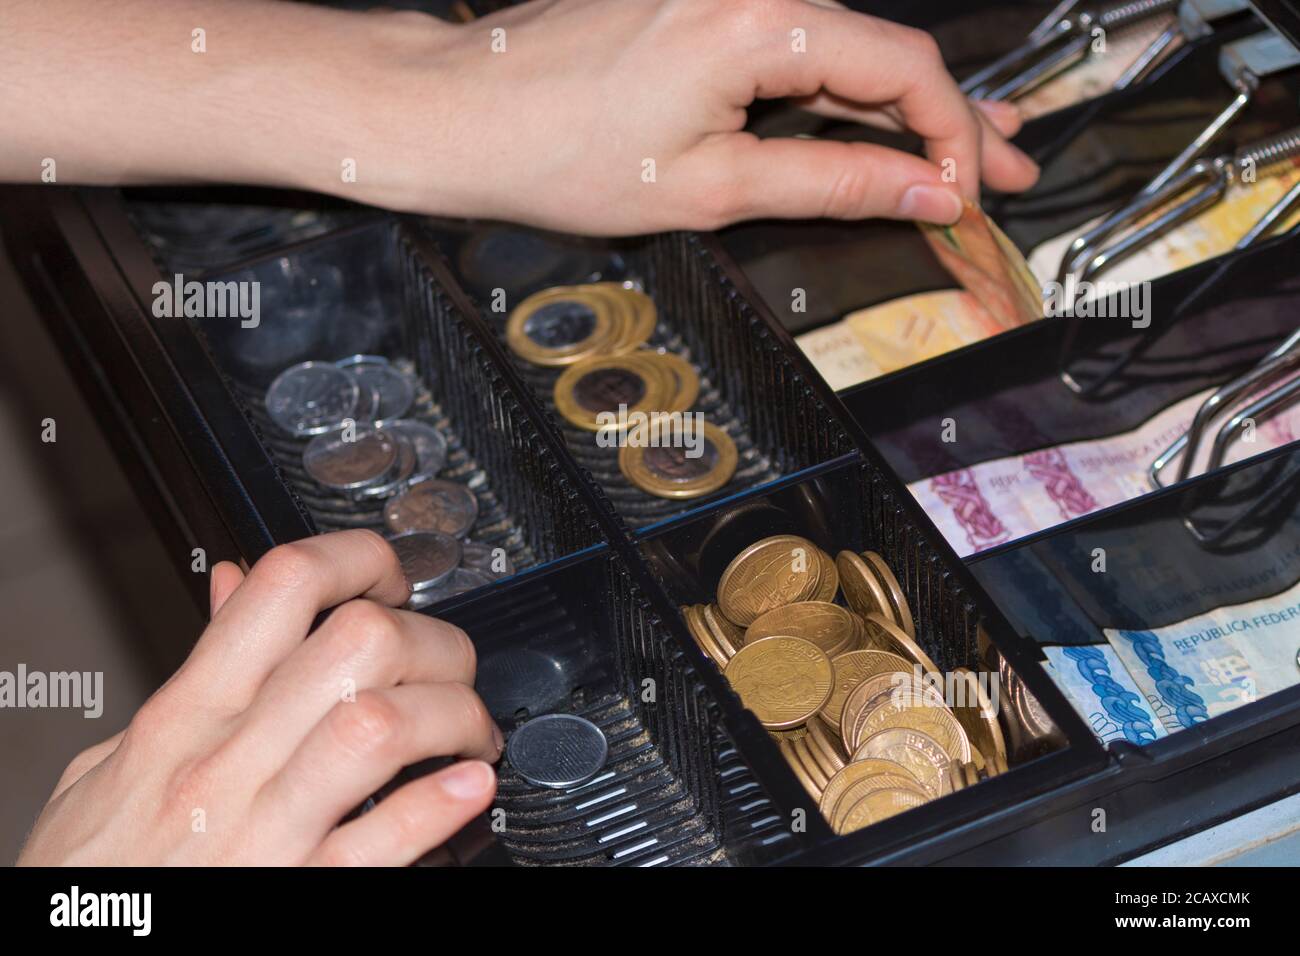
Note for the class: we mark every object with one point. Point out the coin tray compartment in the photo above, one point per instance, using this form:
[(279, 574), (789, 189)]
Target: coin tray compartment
[(748, 385), (850, 505), (367, 290), (581, 637)]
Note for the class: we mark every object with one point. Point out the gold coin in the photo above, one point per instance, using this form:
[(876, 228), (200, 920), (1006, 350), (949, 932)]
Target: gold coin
[(863, 787), (783, 680), (799, 770), (723, 631), (686, 381), (919, 753), (978, 717), (799, 747), (902, 614), (913, 713), (874, 693), (828, 626), (769, 573), (862, 590), (560, 326), (825, 747), (695, 624), (876, 806), (794, 733), (667, 470), (857, 771), (602, 394), (830, 581), (637, 311), (888, 636), (851, 669)]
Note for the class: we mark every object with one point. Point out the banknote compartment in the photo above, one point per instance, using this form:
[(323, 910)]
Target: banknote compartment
[(584, 637), (367, 289), (749, 385), (851, 505)]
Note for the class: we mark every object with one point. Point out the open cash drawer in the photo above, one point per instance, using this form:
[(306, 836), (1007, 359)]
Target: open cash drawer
[(692, 766)]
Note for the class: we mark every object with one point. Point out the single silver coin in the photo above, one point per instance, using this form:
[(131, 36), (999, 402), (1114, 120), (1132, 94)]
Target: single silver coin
[(367, 403), (430, 446), (401, 472), (432, 505), (557, 751), (312, 398), (348, 466), (485, 558), (459, 582), (428, 558), (359, 359), (396, 391)]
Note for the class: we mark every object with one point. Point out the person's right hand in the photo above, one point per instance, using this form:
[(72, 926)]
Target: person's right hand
[(263, 741)]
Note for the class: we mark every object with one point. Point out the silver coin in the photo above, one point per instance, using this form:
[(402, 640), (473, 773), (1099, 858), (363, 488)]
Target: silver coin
[(396, 391), (399, 476), (348, 466), (482, 557), (367, 403), (359, 359), (430, 446), (428, 558), (312, 398), (433, 505), (557, 751), (459, 582)]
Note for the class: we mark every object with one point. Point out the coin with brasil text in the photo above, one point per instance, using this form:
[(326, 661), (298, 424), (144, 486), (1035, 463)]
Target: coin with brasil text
[(778, 570), (783, 680)]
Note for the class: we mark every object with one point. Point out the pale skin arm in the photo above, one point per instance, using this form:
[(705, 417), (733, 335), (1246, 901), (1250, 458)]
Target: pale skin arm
[(551, 120)]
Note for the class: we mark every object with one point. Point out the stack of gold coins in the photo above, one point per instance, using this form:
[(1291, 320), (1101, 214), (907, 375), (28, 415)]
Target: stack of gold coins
[(613, 384), (867, 721)]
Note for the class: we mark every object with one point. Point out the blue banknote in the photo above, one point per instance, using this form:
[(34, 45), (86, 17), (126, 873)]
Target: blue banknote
[(1097, 683)]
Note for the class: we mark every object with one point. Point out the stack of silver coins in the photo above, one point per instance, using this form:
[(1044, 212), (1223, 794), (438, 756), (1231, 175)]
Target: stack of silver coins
[(362, 447)]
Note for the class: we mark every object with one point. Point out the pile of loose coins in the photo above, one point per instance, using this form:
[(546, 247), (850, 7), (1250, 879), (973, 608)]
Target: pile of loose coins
[(613, 384), (361, 447), (866, 720)]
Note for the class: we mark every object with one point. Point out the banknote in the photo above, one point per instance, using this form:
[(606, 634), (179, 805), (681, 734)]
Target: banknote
[(1212, 233), (1101, 689), (1096, 75), (1214, 662), (999, 292), (997, 501)]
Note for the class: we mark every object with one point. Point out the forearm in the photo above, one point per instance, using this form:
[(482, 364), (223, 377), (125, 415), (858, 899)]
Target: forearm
[(268, 93)]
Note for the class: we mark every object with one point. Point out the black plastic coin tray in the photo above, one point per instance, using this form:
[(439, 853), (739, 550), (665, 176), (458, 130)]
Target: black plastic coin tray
[(748, 387)]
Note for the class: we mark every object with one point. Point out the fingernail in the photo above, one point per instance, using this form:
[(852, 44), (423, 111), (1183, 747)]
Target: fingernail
[(931, 204), (498, 738), (999, 108), (467, 780)]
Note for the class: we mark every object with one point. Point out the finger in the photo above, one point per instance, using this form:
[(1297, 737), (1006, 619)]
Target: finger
[(362, 646), (1005, 117), (1006, 168), (360, 746), (903, 67), (226, 576), (746, 177), (412, 820), (86, 761), (270, 613)]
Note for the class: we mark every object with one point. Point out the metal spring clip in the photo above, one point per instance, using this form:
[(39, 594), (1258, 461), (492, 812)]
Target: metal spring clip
[(1194, 22)]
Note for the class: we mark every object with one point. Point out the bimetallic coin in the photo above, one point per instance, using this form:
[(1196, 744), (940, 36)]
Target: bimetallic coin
[(602, 394), (481, 557), (433, 505), (829, 626), (560, 326), (430, 446), (396, 391), (428, 558), (312, 398), (862, 590), (686, 380), (635, 315), (557, 751), (878, 805), (901, 613), (857, 771), (349, 460), (919, 753), (778, 570), (851, 669), (783, 680), (688, 463)]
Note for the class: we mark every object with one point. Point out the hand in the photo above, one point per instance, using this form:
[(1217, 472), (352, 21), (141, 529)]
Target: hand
[(262, 741), (560, 127)]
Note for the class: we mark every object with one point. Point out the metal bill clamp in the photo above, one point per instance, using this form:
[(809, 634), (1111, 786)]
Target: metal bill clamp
[(1195, 19), (1064, 39)]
